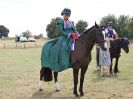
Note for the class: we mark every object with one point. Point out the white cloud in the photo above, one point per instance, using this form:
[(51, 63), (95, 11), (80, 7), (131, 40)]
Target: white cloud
[(36, 14)]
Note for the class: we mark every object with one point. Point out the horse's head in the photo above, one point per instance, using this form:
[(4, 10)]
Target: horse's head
[(100, 40), (125, 45)]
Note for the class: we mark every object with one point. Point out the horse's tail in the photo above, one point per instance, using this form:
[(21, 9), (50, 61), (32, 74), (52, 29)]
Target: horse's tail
[(46, 74)]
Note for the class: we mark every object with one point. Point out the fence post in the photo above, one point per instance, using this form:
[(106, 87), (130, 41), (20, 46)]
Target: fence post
[(35, 44), (16, 44), (4, 45), (24, 44)]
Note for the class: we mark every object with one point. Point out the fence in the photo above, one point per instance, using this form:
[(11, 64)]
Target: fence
[(11, 44)]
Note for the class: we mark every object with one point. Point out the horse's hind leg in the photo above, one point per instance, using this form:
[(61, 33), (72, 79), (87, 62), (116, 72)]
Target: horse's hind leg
[(41, 78), (83, 71), (56, 82)]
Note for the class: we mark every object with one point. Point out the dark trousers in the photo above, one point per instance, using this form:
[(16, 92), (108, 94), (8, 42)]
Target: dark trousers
[(97, 56)]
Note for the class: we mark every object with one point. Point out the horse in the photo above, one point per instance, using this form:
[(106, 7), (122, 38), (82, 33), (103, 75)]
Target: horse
[(115, 51), (80, 58)]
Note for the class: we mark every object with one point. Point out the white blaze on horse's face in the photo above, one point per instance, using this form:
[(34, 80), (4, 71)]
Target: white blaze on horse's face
[(105, 43)]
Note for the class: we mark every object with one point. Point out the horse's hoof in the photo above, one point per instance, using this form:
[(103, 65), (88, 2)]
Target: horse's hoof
[(76, 94), (40, 89), (115, 72), (57, 90), (81, 94)]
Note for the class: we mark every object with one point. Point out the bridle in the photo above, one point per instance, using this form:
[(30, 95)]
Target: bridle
[(98, 42)]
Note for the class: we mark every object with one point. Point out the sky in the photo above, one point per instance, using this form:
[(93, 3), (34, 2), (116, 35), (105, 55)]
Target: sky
[(34, 15)]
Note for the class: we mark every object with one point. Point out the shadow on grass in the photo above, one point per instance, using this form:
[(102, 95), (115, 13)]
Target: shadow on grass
[(42, 95), (98, 77), (51, 95)]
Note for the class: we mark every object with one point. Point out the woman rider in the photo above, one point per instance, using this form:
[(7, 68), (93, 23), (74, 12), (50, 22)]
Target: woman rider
[(56, 53)]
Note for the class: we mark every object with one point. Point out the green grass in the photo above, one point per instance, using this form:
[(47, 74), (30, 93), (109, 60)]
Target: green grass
[(19, 77)]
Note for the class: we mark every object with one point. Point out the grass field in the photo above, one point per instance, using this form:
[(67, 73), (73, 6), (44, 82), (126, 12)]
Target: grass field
[(19, 77)]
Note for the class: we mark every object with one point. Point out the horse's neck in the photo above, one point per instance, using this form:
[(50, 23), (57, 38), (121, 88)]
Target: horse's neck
[(87, 41)]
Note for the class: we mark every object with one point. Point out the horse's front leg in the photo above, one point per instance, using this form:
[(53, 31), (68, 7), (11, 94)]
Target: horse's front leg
[(116, 66), (75, 76), (57, 88), (83, 71)]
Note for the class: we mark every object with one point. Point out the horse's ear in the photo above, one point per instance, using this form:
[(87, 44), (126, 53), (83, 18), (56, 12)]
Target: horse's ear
[(96, 25)]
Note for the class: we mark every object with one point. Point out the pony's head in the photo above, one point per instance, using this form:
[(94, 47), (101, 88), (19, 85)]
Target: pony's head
[(125, 45)]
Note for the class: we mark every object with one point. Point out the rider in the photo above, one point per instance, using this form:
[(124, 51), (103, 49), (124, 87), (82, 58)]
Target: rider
[(56, 53)]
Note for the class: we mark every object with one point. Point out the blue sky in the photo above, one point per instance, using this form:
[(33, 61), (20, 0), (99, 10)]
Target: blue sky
[(34, 15)]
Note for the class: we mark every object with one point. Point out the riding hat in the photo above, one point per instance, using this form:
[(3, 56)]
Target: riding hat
[(66, 11), (110, 23)]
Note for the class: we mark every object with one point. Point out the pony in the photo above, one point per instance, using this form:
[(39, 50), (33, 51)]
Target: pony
[(115, 51), (80, 58)]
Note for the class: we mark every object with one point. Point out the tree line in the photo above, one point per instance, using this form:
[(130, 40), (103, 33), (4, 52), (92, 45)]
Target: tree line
[(122, 24), (28, 34)]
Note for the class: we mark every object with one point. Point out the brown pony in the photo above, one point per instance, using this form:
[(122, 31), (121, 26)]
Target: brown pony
[(80, 58)]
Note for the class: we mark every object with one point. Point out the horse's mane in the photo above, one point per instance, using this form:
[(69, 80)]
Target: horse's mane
[(86, 31)]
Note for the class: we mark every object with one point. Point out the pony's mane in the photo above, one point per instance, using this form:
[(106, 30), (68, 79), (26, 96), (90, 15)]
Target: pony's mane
[(118, 42)]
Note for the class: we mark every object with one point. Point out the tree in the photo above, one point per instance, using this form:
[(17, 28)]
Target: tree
[(27, 34), (104, 21), (52, 29), (122, 22), (119, 24), (108, 18), (130, 28), (38, 36), (81, 26), (3, 31)]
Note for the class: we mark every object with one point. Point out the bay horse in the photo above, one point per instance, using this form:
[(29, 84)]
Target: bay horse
[(80, 58), (115, 51)]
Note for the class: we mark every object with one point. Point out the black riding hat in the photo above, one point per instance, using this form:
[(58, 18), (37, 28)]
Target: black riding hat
[(66, 11), (110, 23)]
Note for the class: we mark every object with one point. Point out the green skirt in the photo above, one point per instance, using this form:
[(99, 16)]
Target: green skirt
[(56, 54)]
